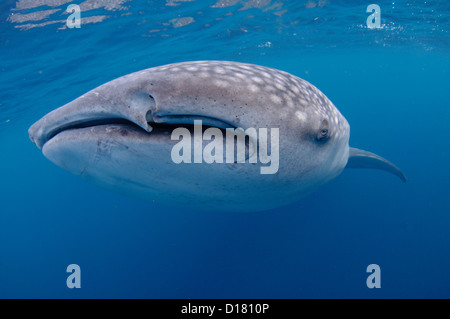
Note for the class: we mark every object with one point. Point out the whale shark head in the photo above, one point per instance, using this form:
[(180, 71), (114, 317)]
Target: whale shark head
[(121, 135)]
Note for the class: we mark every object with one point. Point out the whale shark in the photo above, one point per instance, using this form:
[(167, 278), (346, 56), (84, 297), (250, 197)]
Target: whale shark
[(120, 136)]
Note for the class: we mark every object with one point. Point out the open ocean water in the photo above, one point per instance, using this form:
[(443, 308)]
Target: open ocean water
[(391, 84)]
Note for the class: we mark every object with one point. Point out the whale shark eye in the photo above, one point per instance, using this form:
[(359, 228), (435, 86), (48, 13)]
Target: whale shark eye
[(324, 132)]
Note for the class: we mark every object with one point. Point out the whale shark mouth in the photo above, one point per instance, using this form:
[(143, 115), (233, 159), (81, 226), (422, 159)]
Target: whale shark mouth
[(159, 125)]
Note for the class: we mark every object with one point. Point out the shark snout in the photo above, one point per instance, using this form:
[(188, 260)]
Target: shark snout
[(92, 109), (36, 134)]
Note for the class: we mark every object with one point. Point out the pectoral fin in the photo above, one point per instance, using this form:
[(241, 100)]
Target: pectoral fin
[(362, 159)]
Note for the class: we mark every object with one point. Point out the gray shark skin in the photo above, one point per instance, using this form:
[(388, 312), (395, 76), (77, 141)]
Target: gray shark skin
[(119, 135)]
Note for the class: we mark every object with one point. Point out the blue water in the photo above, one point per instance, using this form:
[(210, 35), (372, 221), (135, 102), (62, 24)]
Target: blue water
[(392, 85)]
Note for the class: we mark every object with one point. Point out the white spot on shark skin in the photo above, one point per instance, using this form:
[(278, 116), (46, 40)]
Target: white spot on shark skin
[(280, 87), (275, 99), (266, 74), (289, 102), (301, 116), (253, 88), (249, 74), (333, 119), (221, 83), (270, 88), (219, 70), (245, 67), (241, 76), (295, 89), (257, 80)]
